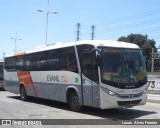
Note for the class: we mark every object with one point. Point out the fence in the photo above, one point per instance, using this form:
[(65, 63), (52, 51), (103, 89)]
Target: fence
[(154, 83)]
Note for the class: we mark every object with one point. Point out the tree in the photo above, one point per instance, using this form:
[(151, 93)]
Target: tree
[(144, 43)]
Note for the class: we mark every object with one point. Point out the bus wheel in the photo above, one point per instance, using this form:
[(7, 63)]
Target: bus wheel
[(74, 102), (23, 93)]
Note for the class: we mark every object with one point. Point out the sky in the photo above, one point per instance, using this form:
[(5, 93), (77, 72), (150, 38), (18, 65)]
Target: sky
[(111, 18)]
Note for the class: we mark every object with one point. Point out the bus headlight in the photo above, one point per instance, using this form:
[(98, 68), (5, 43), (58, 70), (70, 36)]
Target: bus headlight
[(111, 93), (145, 90), (108, 91)]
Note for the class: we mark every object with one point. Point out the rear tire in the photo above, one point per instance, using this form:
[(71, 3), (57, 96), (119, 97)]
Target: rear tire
[(74, 102), (23, 94)]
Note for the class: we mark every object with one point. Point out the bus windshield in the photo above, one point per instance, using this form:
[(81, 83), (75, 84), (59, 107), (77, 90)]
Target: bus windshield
[(123, 68)]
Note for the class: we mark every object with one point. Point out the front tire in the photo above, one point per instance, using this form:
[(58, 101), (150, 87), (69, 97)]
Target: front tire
[(74, 102), (23, 94)]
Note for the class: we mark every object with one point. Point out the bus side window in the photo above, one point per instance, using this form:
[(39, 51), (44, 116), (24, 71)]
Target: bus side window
[(71, 62), (62, 59), (28, 63), (1, 72), (10, 64), (19, 63), (67, 59), (41, 61), (53, 60)]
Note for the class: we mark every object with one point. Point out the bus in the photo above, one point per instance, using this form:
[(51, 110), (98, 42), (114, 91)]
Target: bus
[(98, 73), (1, 75)]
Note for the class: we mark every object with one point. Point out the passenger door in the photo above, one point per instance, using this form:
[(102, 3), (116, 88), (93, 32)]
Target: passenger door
[(88, 75)]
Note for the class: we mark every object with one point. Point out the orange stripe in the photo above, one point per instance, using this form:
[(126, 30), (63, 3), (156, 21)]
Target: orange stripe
[(26, 79), (1, 63), (19, 53)]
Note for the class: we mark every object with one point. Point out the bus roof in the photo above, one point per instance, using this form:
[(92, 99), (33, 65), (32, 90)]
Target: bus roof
[(106, 43), (1, 62)]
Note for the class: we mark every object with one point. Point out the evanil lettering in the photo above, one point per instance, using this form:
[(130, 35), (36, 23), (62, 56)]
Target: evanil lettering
[(52, 78)]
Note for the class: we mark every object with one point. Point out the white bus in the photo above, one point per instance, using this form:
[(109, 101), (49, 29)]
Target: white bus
[(97, 73)]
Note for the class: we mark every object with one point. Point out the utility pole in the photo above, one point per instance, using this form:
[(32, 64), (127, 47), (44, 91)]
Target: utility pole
[(92, 33), (78, 32), (152, 66), (15, 40)]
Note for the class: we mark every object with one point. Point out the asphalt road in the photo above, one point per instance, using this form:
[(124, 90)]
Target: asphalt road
[(11, 107)]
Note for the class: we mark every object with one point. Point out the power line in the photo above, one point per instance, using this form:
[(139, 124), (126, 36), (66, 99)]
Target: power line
[(128, 27), (133, 25), (131, 18), (146, 14)]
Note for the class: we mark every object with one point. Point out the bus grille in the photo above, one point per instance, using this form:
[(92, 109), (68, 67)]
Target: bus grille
[(129, 96), (126, 103)]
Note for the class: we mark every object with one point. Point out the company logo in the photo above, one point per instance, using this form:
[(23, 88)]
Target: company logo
[(63, 78)]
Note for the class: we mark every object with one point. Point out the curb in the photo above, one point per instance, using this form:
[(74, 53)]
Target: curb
[(153, 101)]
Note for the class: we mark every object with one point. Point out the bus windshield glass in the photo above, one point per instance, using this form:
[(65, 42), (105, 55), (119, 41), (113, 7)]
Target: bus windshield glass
[(123, 68)]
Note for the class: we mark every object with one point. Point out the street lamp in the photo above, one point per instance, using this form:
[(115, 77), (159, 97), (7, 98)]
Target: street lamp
[(47, 13), (15, 40)]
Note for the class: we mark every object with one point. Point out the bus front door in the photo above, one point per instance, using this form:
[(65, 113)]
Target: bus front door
[(86, 78)]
